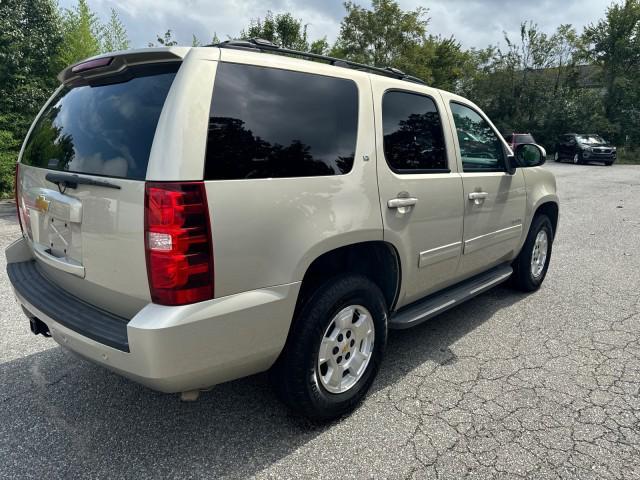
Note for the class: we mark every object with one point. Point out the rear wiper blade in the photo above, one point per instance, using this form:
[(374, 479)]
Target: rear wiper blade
[(72, 181)]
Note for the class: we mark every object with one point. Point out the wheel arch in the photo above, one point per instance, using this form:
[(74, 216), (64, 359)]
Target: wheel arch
[(551, 210), (378, 260)]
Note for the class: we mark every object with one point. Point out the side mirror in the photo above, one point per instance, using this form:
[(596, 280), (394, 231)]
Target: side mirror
[(530, 155)]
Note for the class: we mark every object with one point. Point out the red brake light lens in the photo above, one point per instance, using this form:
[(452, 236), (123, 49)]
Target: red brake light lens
[(91, 64), (178, 243)]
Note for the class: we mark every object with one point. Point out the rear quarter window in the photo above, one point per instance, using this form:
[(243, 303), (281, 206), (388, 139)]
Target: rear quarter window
[(102, 128), (272, 123)]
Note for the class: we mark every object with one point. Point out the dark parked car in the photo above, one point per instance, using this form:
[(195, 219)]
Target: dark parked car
[(515, 139), (583, 148)]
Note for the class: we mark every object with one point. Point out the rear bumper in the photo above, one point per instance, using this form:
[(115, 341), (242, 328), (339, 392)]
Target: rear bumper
[(171, 349)]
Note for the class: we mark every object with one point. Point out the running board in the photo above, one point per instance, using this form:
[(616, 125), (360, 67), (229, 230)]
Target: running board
[(437, 303)]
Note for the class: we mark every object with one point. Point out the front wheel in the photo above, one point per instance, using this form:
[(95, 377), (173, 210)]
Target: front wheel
[(577, 159), (556, 157), (334, 349), (530, 267), (608, 164)]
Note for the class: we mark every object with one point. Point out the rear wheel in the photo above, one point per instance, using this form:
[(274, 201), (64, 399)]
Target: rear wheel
[(334, 349), (530, 267)]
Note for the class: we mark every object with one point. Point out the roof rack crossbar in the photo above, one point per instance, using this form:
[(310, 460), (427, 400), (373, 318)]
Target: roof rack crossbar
[(266, 46)]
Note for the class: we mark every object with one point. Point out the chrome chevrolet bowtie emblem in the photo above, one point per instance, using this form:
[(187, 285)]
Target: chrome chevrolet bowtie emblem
[(42, 204)]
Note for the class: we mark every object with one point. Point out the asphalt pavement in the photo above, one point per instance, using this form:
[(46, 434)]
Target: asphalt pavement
[(545, 385)]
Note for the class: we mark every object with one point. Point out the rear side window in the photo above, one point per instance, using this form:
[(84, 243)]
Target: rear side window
[(102, 129), (270, 123), (413, 136)]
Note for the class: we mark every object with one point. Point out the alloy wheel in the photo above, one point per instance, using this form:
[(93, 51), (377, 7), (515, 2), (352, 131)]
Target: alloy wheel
[(346, 349), (539, 254)]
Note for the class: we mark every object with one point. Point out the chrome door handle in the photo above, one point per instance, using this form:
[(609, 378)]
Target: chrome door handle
[(403, 204), (478, 197)]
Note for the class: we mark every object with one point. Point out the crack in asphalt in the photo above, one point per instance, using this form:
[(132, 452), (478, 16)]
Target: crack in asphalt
[(508, 431)]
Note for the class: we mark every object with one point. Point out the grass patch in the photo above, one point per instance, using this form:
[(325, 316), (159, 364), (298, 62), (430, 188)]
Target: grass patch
[(628, 156)]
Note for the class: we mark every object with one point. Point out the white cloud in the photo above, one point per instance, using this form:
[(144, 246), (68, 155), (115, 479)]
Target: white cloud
[(476, 23)]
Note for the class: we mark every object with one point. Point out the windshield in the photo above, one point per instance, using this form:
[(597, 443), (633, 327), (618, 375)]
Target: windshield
[(591, 139), (102, 129)]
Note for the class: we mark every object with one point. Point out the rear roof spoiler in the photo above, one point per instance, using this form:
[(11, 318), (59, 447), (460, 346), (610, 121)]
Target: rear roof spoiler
[(111, 63)]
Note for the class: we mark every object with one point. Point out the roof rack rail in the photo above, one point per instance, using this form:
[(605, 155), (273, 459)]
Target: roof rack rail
[(267, 46)]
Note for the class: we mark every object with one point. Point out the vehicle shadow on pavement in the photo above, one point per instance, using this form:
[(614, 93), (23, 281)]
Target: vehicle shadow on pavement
[(68, 417), (429, 343)]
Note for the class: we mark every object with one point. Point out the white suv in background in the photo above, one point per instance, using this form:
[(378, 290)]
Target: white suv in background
[(194, 215)]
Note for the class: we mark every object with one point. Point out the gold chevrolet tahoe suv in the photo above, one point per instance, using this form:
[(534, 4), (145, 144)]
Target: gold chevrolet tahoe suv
[(194, 215)]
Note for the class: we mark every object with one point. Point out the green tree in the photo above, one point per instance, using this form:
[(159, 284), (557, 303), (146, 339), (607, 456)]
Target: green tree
[(165, 40), (81, 34), (9, 148), (613, 43), (282, 29), (441, 62), (383, 36), (113, 35), (30, 35), (533, 84), (320, 46), (386, 35)]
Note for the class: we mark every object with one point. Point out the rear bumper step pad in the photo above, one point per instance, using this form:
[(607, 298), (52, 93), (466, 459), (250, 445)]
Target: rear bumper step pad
[(67, 310)]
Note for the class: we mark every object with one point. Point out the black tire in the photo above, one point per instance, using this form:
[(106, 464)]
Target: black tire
[(523, 278), (295, 375), (557, 157), (608, 164)]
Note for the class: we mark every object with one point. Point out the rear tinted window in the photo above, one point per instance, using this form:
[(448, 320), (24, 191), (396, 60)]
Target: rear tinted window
[(102, 129), (267, 123), (412, 130)]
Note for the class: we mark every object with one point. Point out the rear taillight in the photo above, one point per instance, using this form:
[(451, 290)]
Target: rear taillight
[(91, 64), (178, 242)]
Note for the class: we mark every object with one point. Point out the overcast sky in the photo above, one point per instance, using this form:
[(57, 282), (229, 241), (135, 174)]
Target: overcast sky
[(475, 23)]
